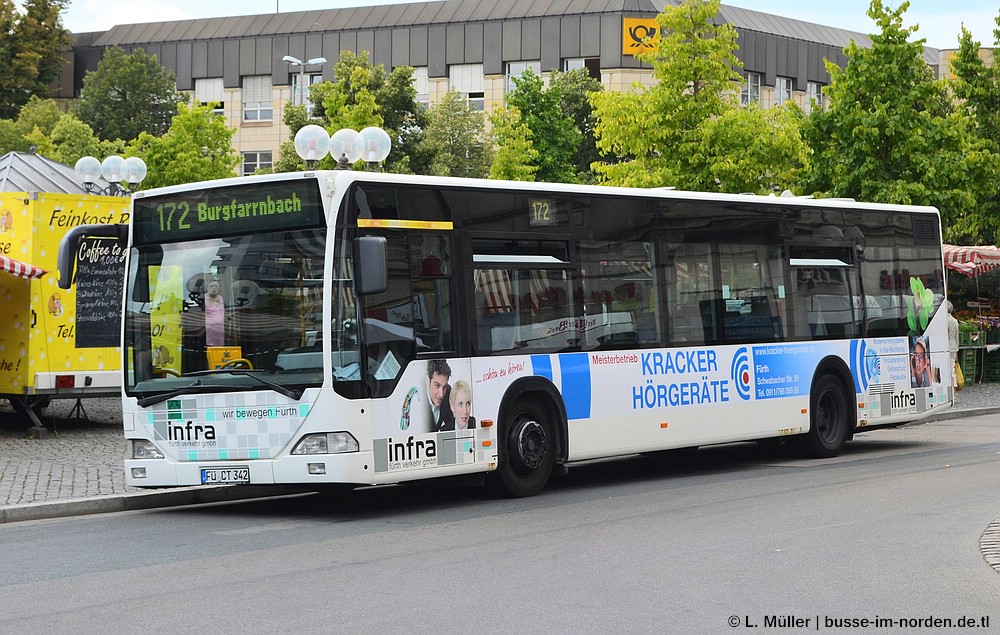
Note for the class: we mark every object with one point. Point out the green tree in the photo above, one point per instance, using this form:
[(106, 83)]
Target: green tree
[(977, 85), (687, 130), (736, 157), (649, 134), (198, 146), (32, 43), (362, 95), (296, 118), (554, 135), (891, 133), (19, 134), (515, 155), (574, 89), (39, 113), (456, 140), (11, 138), (74, 139), (127, 95)]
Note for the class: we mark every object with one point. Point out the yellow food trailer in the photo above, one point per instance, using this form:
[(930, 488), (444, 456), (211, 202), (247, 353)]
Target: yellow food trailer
[(57, 343)]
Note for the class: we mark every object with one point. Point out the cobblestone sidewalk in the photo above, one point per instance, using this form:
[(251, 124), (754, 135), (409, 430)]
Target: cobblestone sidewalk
[(81, 458)]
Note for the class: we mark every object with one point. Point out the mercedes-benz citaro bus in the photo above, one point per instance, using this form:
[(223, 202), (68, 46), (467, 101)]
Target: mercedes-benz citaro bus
[(359, 328)]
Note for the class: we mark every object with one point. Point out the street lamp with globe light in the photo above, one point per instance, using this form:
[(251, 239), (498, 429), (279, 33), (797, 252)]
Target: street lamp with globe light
[(303, 91), (115, 170), (346, 146)]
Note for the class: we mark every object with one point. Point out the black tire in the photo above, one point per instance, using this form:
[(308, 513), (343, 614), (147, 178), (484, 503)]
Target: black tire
[(829, 419), (527, 452)]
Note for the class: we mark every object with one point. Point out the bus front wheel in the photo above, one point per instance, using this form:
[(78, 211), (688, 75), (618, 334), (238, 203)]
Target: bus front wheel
[(527, 453), (830, 424)]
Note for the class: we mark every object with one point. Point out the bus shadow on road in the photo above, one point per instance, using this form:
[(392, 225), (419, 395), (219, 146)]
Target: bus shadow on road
[(586, 480)]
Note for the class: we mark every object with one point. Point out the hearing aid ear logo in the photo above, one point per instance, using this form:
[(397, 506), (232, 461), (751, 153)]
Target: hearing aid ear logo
[(639, 35)]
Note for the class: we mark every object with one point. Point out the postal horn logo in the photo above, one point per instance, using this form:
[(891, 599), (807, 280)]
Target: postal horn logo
[(740, 373), (639, 35)]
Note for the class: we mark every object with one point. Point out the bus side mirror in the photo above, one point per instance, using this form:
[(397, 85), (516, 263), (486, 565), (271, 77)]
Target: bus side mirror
[(70, 244), (371, 264)]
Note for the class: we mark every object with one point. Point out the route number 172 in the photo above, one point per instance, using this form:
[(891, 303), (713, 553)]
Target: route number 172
[(171, 213)]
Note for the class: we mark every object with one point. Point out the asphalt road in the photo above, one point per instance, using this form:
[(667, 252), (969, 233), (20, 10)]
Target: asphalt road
[(892, 530)]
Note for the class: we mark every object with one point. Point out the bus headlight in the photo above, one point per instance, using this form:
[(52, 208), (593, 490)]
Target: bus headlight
[(326, 443), (143, 449)]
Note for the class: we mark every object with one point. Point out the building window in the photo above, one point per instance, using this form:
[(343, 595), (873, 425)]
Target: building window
[(257, 98), (253, 161), (299, 96), (210, 91), (422, 86), (468, 80), (592, 64), (782, 90), (516, 69), (751, 90), (814, 93)]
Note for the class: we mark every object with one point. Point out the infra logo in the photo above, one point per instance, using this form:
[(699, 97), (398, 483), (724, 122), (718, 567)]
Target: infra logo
[(740, 373)]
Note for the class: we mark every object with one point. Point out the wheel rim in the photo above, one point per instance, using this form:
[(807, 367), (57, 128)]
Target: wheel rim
[(830, 418), (530, 445)]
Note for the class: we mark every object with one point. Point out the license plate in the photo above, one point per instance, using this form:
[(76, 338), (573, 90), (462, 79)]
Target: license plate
[(225, 475)]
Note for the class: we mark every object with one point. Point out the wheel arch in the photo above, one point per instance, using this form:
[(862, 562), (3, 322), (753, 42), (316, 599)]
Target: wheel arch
[(834, 366), (545, 393)]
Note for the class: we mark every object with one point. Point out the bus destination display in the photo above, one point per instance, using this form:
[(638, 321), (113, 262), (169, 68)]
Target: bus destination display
[(227, 210)]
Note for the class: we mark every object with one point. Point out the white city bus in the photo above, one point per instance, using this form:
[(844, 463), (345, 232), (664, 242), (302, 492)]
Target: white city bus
[(340, 327)]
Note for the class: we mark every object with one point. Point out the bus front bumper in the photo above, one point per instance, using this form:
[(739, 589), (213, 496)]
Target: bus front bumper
[(354, 468)]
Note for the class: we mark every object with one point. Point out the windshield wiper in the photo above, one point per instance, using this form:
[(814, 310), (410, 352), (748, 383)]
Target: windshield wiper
[(291, 393), (155, 399)]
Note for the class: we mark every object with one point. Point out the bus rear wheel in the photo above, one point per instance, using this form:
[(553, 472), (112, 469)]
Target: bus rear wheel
[(829, 424), (527, 453)]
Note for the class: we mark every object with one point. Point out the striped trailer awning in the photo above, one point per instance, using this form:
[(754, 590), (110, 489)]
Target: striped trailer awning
[(21, 269), (494, 286), (971, 261)]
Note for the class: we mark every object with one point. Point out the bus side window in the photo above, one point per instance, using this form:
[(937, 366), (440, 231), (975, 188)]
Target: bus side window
[(430, 258), (388, 323), (694, 315), (618, 295)]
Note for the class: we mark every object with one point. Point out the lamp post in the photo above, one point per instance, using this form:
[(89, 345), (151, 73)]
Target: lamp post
[(115, 170), (294, 61)]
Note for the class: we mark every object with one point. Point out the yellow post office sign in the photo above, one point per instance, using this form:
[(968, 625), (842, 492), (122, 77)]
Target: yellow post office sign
[(635, 32)]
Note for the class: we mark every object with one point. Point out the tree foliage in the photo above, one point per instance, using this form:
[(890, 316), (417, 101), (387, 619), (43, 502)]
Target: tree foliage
[(891, 133), (197, 147), (573, 89), (296, 118), (32, 42), (73, 139), (750, 149), (363, 94), (127, 95), (554, 135), (455, 139), (977, 85), (687, 130), (515, 155), (19, 134)]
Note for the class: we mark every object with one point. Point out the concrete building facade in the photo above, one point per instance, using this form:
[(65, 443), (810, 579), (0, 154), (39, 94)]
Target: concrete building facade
[(475, 46)]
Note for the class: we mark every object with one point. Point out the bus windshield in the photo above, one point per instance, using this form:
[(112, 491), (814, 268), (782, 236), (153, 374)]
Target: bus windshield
[(237, 312)]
